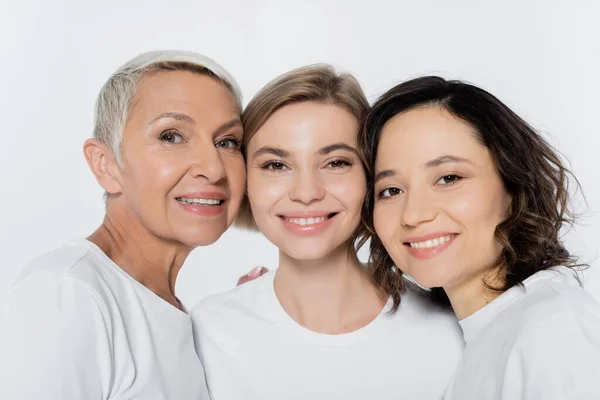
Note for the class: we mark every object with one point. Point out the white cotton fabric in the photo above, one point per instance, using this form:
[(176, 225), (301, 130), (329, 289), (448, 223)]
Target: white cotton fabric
[(540, 341), (76, 326), (252, 349)]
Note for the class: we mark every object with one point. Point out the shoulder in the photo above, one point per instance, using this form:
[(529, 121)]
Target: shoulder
[(555, 312), (56, 279), (557, 301), (419, 312), (53, 328), (554, 337), (77, 259), (59, 261), (240, 301)]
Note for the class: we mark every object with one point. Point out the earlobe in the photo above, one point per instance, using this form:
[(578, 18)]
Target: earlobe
[(103, 165)]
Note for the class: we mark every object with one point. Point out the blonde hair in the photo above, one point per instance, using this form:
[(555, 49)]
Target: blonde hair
[(114, 100), (318, 83)]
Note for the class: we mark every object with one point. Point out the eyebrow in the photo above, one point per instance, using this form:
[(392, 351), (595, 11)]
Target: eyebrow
[(176, 116), (228, 125), (271, 150), (323, 151), (446, 159), (189, 120), (387, 173), (336, 146)]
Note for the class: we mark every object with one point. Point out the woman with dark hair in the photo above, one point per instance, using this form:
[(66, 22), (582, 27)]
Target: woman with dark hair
[(467, 197)]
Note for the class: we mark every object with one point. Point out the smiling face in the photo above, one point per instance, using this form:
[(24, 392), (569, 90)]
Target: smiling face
[(182, 175), (438, 199), (306, 183)]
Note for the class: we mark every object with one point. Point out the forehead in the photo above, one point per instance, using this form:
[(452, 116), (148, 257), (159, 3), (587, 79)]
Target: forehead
[(307, 125), (422, 134), (198, 95)]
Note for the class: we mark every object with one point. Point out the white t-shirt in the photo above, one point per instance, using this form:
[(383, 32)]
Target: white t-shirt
[(541, 342), (75, 326), (252, 349)]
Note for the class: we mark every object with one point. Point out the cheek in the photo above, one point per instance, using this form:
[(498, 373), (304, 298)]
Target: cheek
[(236, 175), (481, 210), (265, 191), (156, 173), (350, 190), (383, 222)]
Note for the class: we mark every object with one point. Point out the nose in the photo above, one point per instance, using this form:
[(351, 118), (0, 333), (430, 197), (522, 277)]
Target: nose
[(307, 187), (206, 163), (418, 208)]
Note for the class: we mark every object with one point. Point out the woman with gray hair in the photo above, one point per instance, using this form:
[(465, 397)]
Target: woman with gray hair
[(98, 318)]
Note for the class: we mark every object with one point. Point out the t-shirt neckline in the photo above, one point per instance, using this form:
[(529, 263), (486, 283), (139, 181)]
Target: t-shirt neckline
[(316, 338), (149, 293)]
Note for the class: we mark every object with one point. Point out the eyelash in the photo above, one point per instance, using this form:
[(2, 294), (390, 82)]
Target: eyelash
[(344, 164), (219, 143), (236, 143), (381, 196), (269, 166), (455, 179), (170, 132)]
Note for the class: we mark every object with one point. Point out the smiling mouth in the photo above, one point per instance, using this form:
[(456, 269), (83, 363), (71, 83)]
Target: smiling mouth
[(431, 243), (199, 201), (307, 221)]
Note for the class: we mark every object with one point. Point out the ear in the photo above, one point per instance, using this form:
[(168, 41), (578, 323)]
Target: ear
[(103, 165)]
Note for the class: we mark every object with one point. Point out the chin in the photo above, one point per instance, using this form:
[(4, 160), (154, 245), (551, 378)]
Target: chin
[(206, 237), (429, 279), (302, 253)]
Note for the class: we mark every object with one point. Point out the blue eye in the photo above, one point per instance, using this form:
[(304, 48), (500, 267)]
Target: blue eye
[(171, 136), (389, 192), (448, 179), (228, 143)]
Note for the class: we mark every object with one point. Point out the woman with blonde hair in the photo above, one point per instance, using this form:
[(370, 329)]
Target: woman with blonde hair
[(318, 327)]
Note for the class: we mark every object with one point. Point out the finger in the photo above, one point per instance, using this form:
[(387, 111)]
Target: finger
[(250, 276)]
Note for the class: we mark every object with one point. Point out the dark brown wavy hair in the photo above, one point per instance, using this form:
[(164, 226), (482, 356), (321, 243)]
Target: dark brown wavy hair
[(532, 171)]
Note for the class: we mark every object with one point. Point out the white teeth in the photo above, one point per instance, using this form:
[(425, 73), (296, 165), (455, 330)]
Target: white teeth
[(428, 244), (305, 221), (195, 200)]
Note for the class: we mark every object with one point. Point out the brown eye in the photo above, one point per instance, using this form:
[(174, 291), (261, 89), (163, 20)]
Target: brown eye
[(171, 137), (389, 192), (448, 179), (274, 166), (337, 164)]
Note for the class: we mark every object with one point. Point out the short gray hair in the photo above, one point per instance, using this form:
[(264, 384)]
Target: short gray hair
[(114, 100)]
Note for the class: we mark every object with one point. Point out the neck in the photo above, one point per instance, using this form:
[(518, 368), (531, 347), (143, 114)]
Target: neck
[(333, 294), (473, 294), (152, 261)]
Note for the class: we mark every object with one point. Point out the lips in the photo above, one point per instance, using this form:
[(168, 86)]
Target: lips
[(205, 204), (199, 201), (307, 223), (431, 245), (206, 198), (304, 220)]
